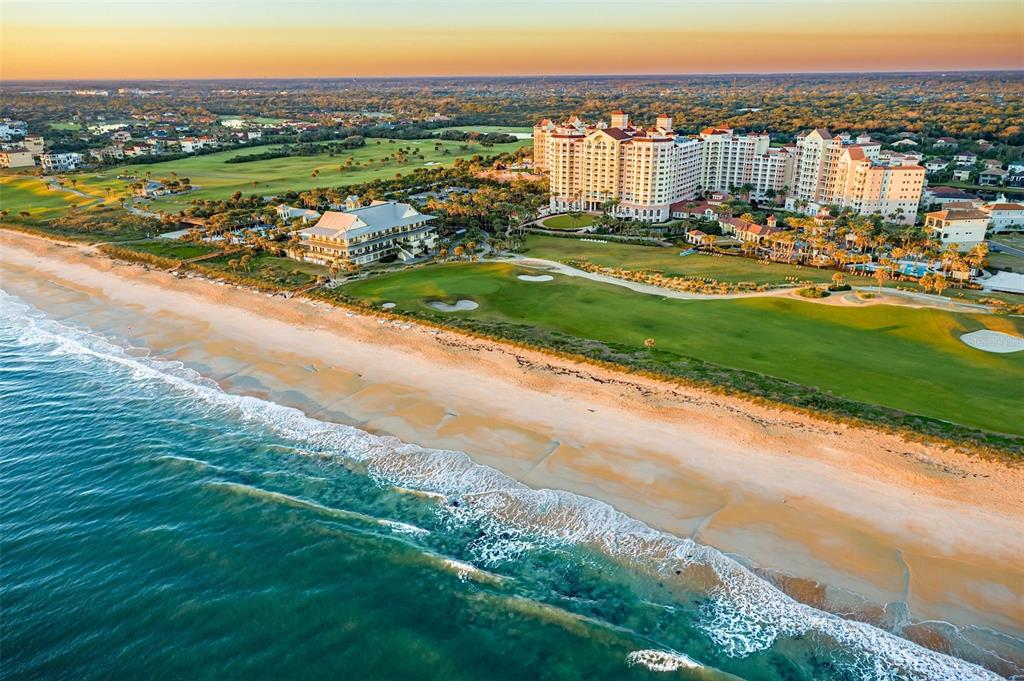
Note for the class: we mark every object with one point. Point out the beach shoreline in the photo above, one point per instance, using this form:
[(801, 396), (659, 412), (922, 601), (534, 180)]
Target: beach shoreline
[(858, 509)]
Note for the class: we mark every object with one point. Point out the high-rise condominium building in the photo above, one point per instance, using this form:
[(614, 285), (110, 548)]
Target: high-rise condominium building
[(643, 171), (745, 163), (636, 172), (831, 171)]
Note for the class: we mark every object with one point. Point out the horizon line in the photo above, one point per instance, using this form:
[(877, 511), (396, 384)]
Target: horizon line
[(111, 79)]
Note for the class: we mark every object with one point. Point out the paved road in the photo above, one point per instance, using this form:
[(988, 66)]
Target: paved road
[(1000, 247), (913, 298)]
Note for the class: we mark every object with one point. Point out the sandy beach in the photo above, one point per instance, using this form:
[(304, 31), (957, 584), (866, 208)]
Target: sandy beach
[(846, 518)]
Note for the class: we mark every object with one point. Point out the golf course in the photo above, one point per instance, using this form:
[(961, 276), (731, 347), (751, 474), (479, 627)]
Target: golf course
[(895, 356), (214, 179), (31, 194)]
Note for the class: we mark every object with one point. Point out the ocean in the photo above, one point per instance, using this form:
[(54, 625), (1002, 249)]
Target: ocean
[(155, 526)]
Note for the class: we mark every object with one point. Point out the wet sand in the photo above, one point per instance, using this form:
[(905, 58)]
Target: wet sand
[(845, 518)]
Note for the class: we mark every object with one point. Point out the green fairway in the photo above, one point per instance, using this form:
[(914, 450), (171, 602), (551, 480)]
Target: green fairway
[(909, 359), (668, 261), (215, 179), (32, 194), (566, 222), (506, 129), (66, 126)]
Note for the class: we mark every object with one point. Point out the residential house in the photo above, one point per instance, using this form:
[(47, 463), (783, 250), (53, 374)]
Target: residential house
[(991, 177), (936, 165), (963, 226), (1016, 167), (946, 142), (945, 195), (965, 158), (904, 143), (368, 234), (59, 163), (1005, 217), (34, 143), (16, 157), (962, 175)]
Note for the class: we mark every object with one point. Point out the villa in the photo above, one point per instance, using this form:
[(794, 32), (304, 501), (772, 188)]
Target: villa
[(962, 225), (1005, 217), (364, 235), (57, 163)]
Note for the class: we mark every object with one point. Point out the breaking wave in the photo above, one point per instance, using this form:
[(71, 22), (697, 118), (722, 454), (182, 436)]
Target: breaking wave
[(740, 612)]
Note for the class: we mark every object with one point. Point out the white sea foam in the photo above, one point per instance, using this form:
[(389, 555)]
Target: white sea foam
[(662, 660), (742, 614)]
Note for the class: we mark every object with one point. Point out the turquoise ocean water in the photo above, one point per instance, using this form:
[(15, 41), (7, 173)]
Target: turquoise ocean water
[(153, 526)]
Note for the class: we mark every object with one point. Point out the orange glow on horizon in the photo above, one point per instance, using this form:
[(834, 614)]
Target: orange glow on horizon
[(980, 41)]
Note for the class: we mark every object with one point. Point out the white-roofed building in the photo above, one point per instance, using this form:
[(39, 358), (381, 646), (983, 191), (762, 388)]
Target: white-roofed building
[(368, 234), (289, 213)]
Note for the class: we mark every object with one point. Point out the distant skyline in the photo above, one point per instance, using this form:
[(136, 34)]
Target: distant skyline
[(158, 39)]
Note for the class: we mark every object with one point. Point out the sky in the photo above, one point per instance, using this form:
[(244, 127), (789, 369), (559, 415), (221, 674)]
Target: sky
[(161, 39)]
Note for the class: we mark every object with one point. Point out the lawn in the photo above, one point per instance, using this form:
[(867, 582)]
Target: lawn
[(30, 193), (269, 269), (1005, 261), (506, 129), (909, 359), (66, 126), (668, 261), (218, 180), (1013, 240), (565, 222), (172, 248)]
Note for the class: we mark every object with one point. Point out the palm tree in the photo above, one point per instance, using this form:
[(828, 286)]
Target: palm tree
[(939, 283), (838, 279), (880, 275), (649, 343)]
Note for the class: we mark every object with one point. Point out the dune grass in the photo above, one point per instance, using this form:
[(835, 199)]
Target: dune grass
[(172, 248), (898, 357)]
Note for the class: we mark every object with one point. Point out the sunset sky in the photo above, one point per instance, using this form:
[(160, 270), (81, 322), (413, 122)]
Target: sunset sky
[(44, 39)]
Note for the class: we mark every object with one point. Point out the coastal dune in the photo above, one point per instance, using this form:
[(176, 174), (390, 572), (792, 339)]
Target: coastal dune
[(841, 517)]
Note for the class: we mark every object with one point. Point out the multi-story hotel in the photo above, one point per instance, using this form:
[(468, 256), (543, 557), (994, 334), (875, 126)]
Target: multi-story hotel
[(639, 172), (643, 171), (364, 235), (831, 171)]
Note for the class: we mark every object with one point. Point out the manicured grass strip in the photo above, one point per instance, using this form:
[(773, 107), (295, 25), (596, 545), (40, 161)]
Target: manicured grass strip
[(898, 357), (566, 222)]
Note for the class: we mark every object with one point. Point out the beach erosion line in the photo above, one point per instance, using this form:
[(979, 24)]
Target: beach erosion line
[(742, 614)]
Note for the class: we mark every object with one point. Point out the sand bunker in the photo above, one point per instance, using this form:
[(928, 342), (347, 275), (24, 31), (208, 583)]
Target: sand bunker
[(387, 306), (993, 341), (459, 306), (535, 277)]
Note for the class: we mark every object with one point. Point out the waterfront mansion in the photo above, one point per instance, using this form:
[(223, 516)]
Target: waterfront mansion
[(365, 235)]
